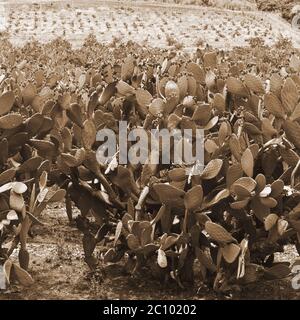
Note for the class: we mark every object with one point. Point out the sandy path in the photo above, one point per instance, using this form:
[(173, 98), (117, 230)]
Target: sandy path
[(147, 23)]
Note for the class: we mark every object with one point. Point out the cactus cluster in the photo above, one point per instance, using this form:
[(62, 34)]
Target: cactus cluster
[(229, 220)]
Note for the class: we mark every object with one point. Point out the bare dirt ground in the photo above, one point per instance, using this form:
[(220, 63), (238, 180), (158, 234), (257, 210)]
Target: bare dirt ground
[(60, 272), (149, 23)]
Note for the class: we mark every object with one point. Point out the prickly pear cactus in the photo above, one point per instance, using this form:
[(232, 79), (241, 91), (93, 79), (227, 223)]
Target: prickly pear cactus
[(227, 221)]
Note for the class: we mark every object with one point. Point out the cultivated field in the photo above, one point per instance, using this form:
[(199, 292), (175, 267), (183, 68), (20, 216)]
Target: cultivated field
[(71, 228), (152, 24)]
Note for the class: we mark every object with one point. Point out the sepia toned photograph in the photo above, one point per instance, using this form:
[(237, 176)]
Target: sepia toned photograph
[(150, 150)]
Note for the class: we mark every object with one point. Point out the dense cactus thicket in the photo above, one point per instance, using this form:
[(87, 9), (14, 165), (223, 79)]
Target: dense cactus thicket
[(226, 223)]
